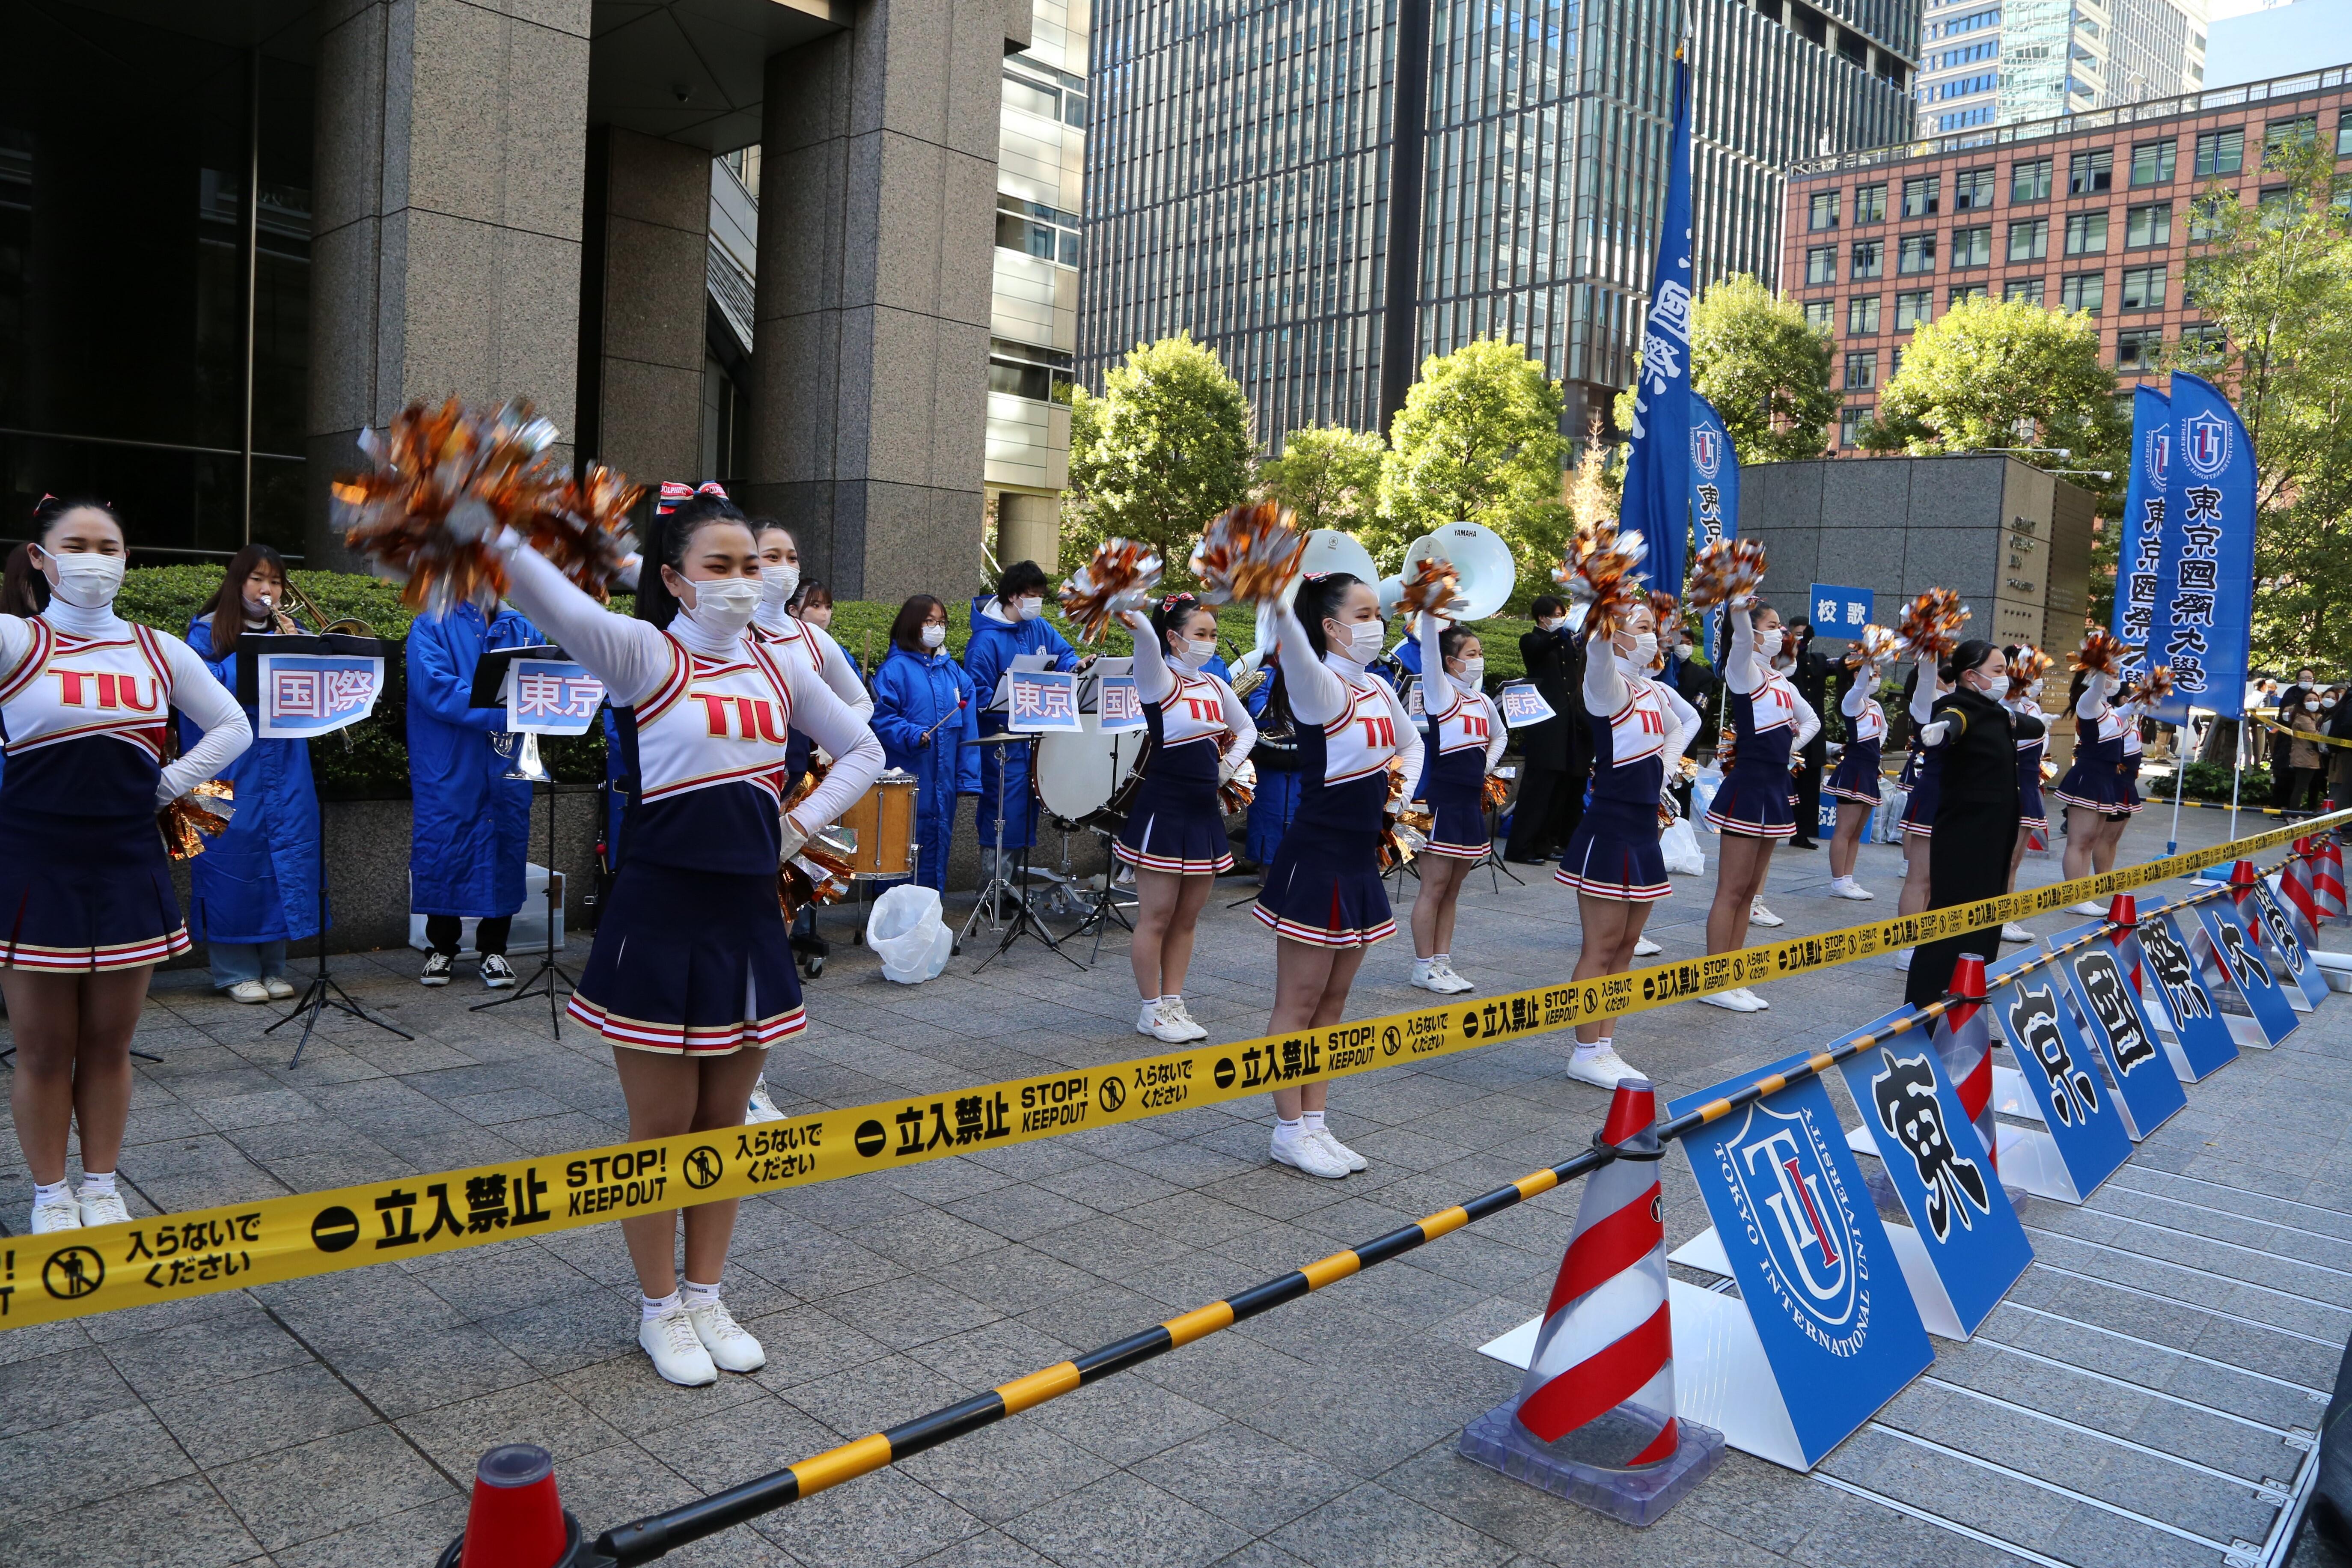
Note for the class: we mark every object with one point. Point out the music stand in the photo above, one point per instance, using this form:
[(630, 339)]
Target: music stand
[(1025, 922), (489, 692), (1103, 903), (323, 992)]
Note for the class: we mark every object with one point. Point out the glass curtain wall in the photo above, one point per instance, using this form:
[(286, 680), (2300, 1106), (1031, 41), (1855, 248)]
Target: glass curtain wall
[(149, 282)]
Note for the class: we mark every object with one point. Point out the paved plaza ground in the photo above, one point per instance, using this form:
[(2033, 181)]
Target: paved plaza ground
[(2122, 1408)]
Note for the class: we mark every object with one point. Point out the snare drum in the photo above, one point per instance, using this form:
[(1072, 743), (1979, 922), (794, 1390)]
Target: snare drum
[(882, 825), (1085, 779)]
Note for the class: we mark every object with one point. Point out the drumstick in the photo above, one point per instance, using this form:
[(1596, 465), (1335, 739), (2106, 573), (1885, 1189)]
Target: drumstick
[(935, 729)]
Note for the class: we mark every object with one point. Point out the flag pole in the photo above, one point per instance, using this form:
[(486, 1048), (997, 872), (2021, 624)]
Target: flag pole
[(2237, 773), (2181, 737)]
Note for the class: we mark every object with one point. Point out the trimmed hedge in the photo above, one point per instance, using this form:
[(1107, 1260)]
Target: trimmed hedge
[(2211, 781)]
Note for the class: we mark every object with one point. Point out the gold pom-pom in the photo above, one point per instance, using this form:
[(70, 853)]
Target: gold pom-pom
[(585, 529), (202, 813), (1725, 571), (1432, 585), (2153, 686), (1251, 554), (2028, 665), (1119, 578), (1667, 612), (1931, 623), (2100, 654), (444, 482), (1601, 572), (819, 874), (1876, 645), (1234, 795)]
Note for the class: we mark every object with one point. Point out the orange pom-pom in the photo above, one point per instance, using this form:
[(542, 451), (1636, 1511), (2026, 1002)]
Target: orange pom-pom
[(1876, 645), (2028, 665), (1432, 585), (1251, 552), (2153, 686), (1931, 623), (202, 813), (444, 482), (1726, 570), (1119, 578), (585, 529), (1601, 572), (2100, 654)]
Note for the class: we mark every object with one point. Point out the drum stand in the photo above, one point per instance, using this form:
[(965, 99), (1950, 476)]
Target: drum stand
[(1024, 918)]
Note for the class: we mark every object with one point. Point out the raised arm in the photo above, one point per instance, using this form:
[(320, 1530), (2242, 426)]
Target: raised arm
[(1317, 695), (1739, 667), (1856, 699), (1604, 688), (630, 656), (198, 693), (1923, 691), (1432, 666), (2094, 701), (1238, 721), (1153, 680)]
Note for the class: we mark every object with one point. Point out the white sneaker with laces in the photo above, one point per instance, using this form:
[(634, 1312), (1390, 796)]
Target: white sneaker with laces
[(675, 1349), (1424, 975), (1452, 982), (1847, 888), (2013, 931), (1738, 1000), (1174, 1007), (731, 1345), (761, 1106), (2088, 907), (1902, 960), (1152, 1019), (1301, 1150), (1644, 947), (103, 1208), (1603, 1070), (1761, 1005), (248, 992), (1759, 915), (497, 973), (1339, 1151), (58, 1213), (279, 987)]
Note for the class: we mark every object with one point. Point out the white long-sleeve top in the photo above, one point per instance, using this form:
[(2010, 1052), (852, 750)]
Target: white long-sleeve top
[(1923, 691), (195, 691), (1155, 682), (1320, 688), (2093, 703), (1858, 691), (815, 647), (1437, 681), (1744, 670), (633, 658), (1684, 721), (1809, 723)]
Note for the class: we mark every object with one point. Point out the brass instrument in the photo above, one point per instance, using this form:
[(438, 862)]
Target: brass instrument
[(284, 624)]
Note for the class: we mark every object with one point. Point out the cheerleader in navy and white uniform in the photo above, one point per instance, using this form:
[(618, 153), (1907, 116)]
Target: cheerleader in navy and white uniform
[(2096, 800), (692, 977), (2033, 814), (85, 699), (1612, 860), (1323, 895), (1754, 810), (1853, 783), (1462, 739), (1174, 835)]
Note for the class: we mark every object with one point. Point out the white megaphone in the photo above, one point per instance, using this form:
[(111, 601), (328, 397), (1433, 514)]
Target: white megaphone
[(1481, 565), (1328, 550)]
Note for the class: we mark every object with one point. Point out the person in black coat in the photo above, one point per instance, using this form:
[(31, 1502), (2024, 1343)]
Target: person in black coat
[(1556, 755), (1810, 672), (1976, 809), (2290, 701)]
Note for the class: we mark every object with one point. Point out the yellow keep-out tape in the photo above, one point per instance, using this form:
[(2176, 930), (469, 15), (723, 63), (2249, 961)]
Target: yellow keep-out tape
[(2308, 735), (173, 1256)]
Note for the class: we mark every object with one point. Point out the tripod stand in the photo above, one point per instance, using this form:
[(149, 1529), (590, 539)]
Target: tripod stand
[(323, 992), (549, 979), (1024, 918)]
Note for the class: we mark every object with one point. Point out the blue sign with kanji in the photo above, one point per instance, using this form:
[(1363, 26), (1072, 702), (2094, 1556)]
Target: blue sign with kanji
[(2170, 973), (1838, 612), (2099, 976), (2077, 1103)]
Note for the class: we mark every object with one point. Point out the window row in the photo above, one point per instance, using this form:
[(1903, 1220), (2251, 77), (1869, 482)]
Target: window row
[(2027, 239), (2143, 289)]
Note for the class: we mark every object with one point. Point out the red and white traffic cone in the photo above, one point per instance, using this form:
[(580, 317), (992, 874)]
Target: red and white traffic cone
[(1594, 1421), (2242, 877), (516, 1520), (1964, 1042), (2295, 883), (2327, 876), (2123, 935)]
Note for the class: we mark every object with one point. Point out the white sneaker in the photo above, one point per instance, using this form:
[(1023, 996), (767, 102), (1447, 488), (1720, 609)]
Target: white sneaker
[(247, 991), (1424, 975), (497, 973), (59, 1213), (2088, 907), (1740, 999), (675, 1349), (1759, 915), (1152, 1019), (279, 987), (1452, 982), (1847, 888), (1303, 1151), (761, 1108), (1902, 960), (1644, 947), (1174, 1007), (103, 1208), (1354, 1161), (2013, 931), (1603, 1070), (731, 1346)]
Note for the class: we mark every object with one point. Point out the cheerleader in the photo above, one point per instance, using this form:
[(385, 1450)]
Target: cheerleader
[(1462, 738), (1174, 835), (691, 978), (1612, 860), (1854, 782), (1753, 810), (2093, 790), (1323, 896), (801, 637), (85, 698), (2131, 711), (1976, 807), (2025, 664)]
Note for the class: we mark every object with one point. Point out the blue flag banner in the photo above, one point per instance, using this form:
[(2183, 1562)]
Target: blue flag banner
[(2203, 625), (2175, 995), (1965, 1248), (1715, 490), (2132, 620), (2120, 1030), (1658, 463), (2083, 1139)]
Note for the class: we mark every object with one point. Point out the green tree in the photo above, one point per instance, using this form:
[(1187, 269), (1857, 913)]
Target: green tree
[(1327, 475), (1165, 448), (2003, 373), (1477, 441), (2277, 283)]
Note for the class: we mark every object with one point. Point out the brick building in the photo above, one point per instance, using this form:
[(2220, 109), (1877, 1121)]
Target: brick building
[(2089, 212)]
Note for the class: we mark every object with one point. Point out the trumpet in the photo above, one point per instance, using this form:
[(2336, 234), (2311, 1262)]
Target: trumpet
[(283, 622)]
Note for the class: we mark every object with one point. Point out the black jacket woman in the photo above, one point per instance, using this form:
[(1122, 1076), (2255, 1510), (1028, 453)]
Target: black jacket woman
[(1976, 813), (1555, 756)]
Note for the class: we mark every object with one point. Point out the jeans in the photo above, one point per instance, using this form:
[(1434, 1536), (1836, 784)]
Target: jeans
[(445, 933), (236, 960)]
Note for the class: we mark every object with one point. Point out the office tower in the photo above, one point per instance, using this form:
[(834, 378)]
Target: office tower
[(1243, 156), (2000, 62)]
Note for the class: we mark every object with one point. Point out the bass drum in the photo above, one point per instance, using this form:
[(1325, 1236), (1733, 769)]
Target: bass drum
[(1083, 780)]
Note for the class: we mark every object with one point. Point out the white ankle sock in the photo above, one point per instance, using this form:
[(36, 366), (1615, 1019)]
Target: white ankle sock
[(698, 1295), (43, 1192), (1444, 960), (97, 1184), (649, 1307), (1173, 996), (1587, 1050), (1281, 1127), (1312, 1120)]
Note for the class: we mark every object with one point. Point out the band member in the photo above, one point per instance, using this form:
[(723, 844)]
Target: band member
[(1275, 758), (1323, 895), (2093, 790), (1752, 810), (2025, 700), (691, 978), (1614, 862), (255, 888), (472, 823), (84, 699), (1855, 784), (1923, 776), (1004, 627), (1462, 739), (1174, 835), (927, 715), (1976, 807), (1552, 759)]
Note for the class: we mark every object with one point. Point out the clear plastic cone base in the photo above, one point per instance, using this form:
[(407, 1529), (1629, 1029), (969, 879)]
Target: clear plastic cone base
[(1634, 1497)]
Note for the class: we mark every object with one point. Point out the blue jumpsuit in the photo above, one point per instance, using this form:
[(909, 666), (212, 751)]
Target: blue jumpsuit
[(911, 693), (472, 830), (1277, 800), (256, 885), (986, 657)]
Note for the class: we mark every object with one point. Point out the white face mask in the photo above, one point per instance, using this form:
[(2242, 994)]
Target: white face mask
[(777, 582), (1769, 643), (935, 636), (87, 581), (1548, 626), (2327, 703), (2311, 705), (1472, 671), (1029, 606), (724, 606), (1362, 642), (1645, 651), (1194, 652)]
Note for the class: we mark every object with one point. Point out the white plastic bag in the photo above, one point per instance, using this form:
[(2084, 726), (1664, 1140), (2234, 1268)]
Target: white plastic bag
[(907, 934), (1703, 788), (1679, 844)]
